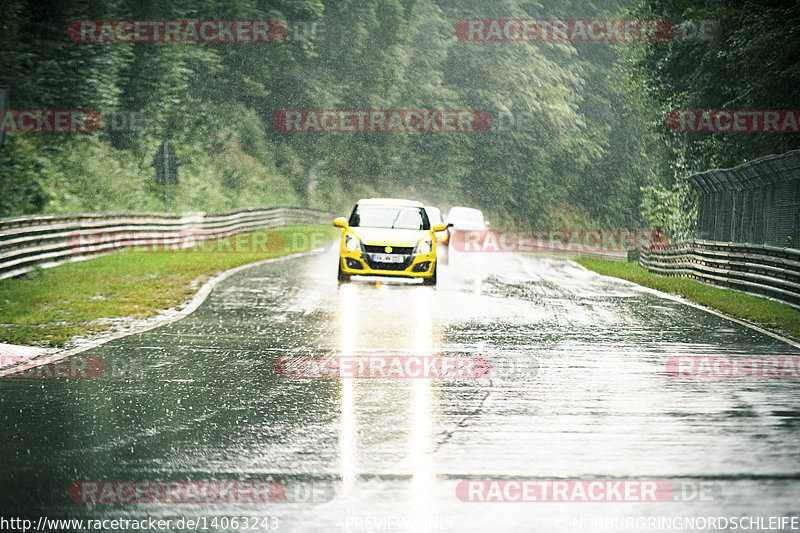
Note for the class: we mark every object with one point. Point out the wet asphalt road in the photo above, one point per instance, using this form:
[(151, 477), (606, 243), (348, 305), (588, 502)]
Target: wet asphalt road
[(584, 395)]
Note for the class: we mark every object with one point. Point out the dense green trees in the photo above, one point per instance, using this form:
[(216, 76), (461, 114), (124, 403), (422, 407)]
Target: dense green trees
[(544, 162), (569, 145), (747, 61)]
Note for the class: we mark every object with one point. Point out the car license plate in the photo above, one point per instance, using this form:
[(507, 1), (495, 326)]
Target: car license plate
[(387, 258)]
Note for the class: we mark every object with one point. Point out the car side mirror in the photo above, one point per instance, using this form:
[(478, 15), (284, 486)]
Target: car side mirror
[(438, 227), (449, 225), (340, 222)]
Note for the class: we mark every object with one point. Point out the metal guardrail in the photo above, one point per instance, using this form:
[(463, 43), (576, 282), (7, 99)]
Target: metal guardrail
[(758, 269), (754, 202), (47, 240)]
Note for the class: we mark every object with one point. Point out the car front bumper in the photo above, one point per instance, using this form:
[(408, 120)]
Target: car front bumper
[(360, 263)]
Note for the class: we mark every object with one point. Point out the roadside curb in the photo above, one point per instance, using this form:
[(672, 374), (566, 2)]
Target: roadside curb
[(167, 316)]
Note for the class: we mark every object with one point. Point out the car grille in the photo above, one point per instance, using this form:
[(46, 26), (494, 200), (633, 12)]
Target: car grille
[(404, 250)]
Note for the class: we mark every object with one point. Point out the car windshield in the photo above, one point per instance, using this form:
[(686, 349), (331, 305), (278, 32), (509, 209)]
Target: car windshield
[(434, 215), (386, 216)]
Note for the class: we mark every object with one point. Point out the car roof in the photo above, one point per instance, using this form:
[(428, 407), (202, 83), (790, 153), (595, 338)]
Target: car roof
[(463, 209), (389, 201)]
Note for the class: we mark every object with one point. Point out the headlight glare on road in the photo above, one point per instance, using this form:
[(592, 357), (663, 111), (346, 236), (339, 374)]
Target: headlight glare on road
[(351, 242), (425, 246)]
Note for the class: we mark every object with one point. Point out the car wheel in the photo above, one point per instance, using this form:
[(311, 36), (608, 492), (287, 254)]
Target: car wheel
[(341, 276), (431, 281)]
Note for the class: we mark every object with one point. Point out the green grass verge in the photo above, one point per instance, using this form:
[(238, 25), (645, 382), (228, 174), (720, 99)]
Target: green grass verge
[(760, 311), (46, 307)]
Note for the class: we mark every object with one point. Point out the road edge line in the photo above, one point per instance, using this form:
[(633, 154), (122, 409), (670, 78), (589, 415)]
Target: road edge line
[(679, 299), (190, 307)]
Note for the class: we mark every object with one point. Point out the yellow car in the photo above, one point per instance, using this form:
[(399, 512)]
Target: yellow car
[(388, 237)]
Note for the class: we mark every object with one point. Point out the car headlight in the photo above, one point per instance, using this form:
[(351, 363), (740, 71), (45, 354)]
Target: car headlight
[(351, 242), (425, 246)]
